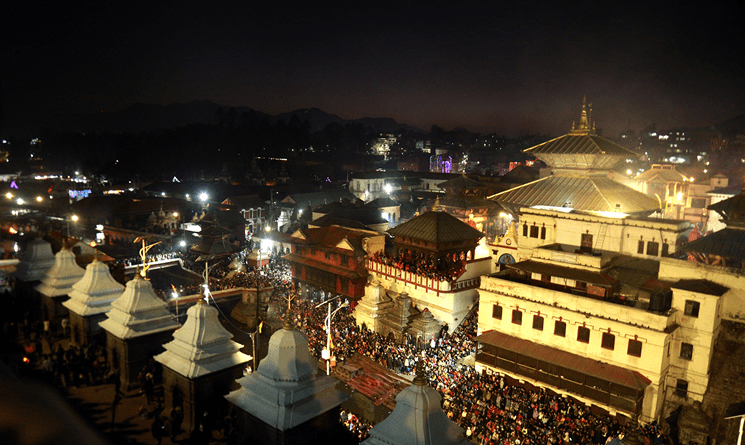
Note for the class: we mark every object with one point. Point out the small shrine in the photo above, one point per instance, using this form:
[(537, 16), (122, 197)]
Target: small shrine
[(90, 300), (57, 285), (396, 320), (137, 326), (285, 401), (200, 365), (418, 419), (37, 260), (424, 328), (371, 308)]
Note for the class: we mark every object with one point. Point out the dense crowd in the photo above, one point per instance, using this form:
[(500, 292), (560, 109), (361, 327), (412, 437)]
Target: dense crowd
[(491, 408), (424, 267)]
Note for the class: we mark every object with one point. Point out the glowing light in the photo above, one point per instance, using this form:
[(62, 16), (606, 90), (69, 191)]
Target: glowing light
[(93, 244), (99, 227), (12, 231), (203, 196), (9, 195), (387, 188), (182, 243), (39, 199), (175, 214), (74, 218), (19, 201)]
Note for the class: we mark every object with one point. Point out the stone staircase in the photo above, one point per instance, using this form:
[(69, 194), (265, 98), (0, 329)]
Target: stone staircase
[(726, 381)]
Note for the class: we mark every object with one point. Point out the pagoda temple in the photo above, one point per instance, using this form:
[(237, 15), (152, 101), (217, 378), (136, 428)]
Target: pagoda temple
[(580, 163), (90, 300), (200, 365), (434, 264)]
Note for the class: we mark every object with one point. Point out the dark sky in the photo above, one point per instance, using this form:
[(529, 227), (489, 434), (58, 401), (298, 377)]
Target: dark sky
[(484, 66)]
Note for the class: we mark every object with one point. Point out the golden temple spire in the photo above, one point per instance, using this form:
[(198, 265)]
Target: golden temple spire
[(437, 207), (584, 126)]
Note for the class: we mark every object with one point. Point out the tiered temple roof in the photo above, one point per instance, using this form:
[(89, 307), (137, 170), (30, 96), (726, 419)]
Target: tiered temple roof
[(95, 292), (202, 345), (138, 311), (61, 276)]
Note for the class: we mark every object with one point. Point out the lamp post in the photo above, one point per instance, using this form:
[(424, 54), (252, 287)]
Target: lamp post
[(326, 354), (74, 219)]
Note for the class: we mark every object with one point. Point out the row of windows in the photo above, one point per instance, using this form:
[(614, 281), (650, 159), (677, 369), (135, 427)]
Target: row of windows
[(608, 340), (653, 248), (534, 231)]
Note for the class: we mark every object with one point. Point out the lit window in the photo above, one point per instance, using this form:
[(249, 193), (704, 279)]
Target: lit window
[(608, 341)]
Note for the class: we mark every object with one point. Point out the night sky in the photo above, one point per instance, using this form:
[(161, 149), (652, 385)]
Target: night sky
[(483, 66)]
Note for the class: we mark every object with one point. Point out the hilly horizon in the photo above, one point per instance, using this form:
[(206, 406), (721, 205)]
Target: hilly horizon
[(142, 117)]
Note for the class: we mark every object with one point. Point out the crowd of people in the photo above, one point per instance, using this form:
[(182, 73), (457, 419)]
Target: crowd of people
[(491, 408), (428, 268)]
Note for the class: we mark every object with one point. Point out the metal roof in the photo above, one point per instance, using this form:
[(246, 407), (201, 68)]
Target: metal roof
[(584, 365), (702, 287), (729, 205), (460, 183), (588, 193), (571, 273), (437, 227), (580, 144), (728, 242)]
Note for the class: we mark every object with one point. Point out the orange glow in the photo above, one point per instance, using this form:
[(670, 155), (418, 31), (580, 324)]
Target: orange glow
[(12, 231), (26, 360), (93, 244)]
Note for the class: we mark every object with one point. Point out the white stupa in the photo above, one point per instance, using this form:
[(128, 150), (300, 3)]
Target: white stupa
[(95, 292), (418, 419), (202, 345), (59, 279), (138, 311), (285, 392), (37, 260)]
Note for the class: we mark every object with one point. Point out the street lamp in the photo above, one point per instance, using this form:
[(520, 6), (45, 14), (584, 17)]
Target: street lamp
[(73, 218), (326, 353)]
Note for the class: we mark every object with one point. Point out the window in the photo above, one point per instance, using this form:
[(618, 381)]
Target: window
[(534, 231), (686, 351), (692, 308), (583, 334), (496, 312), (608, 341), (560, 328), (665, 249), (344, 285), (537, 322), (640, 247), (328, 255), (681, 388), (543, 232), (698, 203), (517, 317), (653, 248), (635, 348), (525, 230), (586, 244)]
